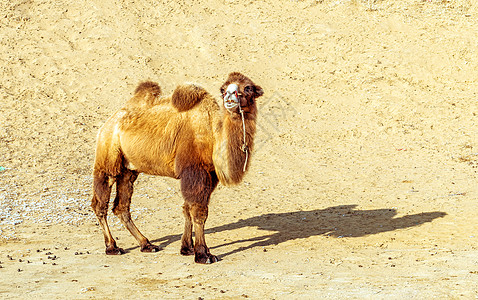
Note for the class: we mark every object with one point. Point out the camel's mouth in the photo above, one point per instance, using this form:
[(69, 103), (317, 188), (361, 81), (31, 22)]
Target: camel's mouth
[(231, 97)]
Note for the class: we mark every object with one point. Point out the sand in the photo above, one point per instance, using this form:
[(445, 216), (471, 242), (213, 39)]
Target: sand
[(364, 183)]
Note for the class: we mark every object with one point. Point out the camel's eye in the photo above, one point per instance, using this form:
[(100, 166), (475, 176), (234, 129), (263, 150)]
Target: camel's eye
[(249, 89)]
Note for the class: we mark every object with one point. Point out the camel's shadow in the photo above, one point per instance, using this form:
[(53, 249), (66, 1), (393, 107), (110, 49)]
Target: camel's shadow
[(337, 221)]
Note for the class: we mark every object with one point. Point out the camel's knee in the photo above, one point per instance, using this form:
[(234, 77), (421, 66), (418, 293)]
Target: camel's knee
[(199, 213), (99, 206), (121, 210), (187, 210)]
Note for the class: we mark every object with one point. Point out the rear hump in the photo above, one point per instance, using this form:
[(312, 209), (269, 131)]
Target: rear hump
[(146, 94)]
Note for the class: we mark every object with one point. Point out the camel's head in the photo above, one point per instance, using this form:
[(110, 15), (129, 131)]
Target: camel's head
[(240, 93)]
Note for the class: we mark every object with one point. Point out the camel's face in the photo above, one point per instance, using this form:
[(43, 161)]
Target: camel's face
[(239, 90), (231, 97)]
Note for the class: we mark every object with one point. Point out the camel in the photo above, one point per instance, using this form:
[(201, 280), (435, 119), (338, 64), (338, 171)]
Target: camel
[(187, 136)]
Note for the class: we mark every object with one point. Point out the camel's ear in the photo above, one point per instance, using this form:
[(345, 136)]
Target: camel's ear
[(258, 91)]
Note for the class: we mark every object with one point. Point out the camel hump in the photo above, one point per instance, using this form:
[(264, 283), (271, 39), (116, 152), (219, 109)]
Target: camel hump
[(146, 93), (187, 96), (148, 87)]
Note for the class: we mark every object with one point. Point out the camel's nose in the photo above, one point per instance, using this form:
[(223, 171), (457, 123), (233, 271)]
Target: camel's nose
[(231, 98)]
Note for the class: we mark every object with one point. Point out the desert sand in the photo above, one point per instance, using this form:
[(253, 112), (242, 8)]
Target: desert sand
[(363, 184)]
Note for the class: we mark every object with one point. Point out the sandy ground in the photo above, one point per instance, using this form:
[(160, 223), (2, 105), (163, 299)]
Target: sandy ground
[(364, 183)]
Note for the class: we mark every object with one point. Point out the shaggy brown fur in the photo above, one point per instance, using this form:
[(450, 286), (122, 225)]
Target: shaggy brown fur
[(145, 94), (187, 136), (186, 97)]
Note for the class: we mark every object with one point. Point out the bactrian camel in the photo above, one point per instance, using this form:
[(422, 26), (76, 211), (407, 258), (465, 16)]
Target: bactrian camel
[(189, 136)]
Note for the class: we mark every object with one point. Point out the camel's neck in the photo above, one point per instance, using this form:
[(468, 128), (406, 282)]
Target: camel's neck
[(231, 155)]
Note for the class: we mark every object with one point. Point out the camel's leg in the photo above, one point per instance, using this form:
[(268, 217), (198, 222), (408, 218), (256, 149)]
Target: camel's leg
[(196, 187), (202, 255), (121, 206), (99, 203), (187, 245)]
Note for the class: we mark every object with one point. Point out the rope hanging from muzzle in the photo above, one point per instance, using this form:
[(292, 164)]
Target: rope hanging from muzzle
[(231, 101), (244, 147)]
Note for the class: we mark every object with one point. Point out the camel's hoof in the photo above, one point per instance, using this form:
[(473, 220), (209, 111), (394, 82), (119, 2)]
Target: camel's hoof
[(150, 248), (205, 258), (187, 251), (114, 251)]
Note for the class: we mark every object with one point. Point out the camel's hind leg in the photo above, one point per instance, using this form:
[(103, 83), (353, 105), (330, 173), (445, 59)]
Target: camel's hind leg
[(101, 196), (121, 206), (196, 187)]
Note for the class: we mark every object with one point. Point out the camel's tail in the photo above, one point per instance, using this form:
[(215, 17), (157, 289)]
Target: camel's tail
[(187, 96), (146, 93)]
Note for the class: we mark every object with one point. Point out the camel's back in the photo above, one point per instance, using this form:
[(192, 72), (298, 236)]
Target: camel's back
[(155, 139)]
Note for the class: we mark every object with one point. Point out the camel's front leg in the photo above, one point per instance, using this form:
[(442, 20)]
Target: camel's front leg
[(201, 251), (196, 187), (187, 245)]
